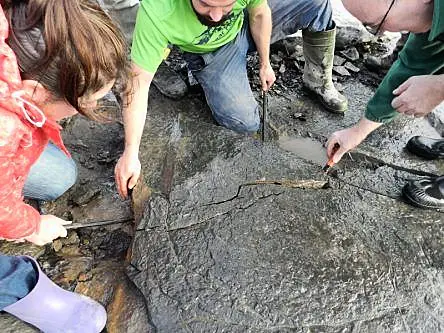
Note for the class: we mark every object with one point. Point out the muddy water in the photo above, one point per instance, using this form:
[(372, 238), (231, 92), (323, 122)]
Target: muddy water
[(306, 148)]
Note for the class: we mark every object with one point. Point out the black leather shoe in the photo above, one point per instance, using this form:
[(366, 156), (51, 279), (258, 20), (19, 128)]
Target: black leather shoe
[(425, 193), (426, 147)]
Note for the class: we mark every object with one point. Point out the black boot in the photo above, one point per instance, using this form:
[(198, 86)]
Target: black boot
[(426, 147), (169, 82), (425, 193)]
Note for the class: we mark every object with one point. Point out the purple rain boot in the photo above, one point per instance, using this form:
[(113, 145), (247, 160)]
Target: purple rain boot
[(54, 310)]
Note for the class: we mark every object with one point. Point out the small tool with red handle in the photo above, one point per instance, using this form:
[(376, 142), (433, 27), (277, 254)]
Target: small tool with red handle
[(330, 162)]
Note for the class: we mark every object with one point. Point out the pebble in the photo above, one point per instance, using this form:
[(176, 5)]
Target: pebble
[(275, 59), (351, 54), (341, 70), (338, 60), (349, 66), (57, 245)]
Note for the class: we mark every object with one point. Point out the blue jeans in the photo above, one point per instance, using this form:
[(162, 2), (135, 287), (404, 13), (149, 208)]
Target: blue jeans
[(18, 276), (223, 73), (51, 176)]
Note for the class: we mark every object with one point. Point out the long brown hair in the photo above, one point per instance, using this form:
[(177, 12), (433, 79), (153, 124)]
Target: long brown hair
[(72, 47)]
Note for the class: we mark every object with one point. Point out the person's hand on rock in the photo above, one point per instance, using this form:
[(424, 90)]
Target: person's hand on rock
[(127, 171)]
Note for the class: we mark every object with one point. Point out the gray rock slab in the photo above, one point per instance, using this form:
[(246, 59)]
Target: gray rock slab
[(216, 252), (338, 60), (351, 67), (351, 54), (269, 258), (341, 70)]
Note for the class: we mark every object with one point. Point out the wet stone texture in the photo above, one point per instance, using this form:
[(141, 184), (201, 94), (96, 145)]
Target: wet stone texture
[(215, 252), (228, 234)]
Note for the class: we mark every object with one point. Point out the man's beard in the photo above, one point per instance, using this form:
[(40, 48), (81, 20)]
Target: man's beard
[(205, 20)]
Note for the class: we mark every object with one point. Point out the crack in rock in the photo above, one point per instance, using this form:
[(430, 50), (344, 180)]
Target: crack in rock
[(290, 183)]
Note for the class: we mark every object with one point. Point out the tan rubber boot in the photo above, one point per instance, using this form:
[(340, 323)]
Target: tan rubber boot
[(319, 50)]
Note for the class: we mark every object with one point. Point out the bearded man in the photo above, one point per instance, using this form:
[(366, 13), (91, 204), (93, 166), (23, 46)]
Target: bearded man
[(215, 36)]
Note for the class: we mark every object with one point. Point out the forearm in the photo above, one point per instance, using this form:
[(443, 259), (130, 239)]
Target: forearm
[(440, 88), (134, 116), (364, 127), (440, 84), (261, 26), (134, 113)]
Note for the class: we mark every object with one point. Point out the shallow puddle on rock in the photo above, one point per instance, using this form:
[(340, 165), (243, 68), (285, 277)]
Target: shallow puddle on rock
[(306, 148)]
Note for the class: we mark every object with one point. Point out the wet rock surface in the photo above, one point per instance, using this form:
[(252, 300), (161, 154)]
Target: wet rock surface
[(226, 243), (216, 252), (229, 234)]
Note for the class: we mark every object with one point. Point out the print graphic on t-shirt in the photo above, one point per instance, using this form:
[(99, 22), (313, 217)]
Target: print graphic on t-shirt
[(217, 32)]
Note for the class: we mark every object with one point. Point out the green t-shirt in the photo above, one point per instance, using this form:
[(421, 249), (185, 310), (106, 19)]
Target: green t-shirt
[(163, 22)]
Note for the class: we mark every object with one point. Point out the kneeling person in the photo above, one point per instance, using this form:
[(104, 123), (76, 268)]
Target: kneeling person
[(216, 36)]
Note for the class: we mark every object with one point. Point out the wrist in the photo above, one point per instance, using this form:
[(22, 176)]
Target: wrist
[(132, 148), (264, 63), (364, 127)]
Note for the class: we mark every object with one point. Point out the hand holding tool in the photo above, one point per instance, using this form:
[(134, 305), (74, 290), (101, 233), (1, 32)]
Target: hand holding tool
[(330, 162)]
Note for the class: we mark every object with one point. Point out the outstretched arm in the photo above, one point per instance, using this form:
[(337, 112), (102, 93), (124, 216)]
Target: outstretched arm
[(409, 87), (127, 170), (260, 26)]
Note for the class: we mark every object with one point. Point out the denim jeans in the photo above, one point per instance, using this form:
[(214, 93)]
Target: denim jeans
[(51, 176), (18, 276), (223, 73)]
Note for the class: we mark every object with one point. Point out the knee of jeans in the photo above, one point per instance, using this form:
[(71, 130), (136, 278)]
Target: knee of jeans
[(241, 119), (58, 188), (322, 15), (320, 5)]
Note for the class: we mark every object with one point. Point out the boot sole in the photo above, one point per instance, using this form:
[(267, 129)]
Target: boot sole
[(411, 201), (320, 100)]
